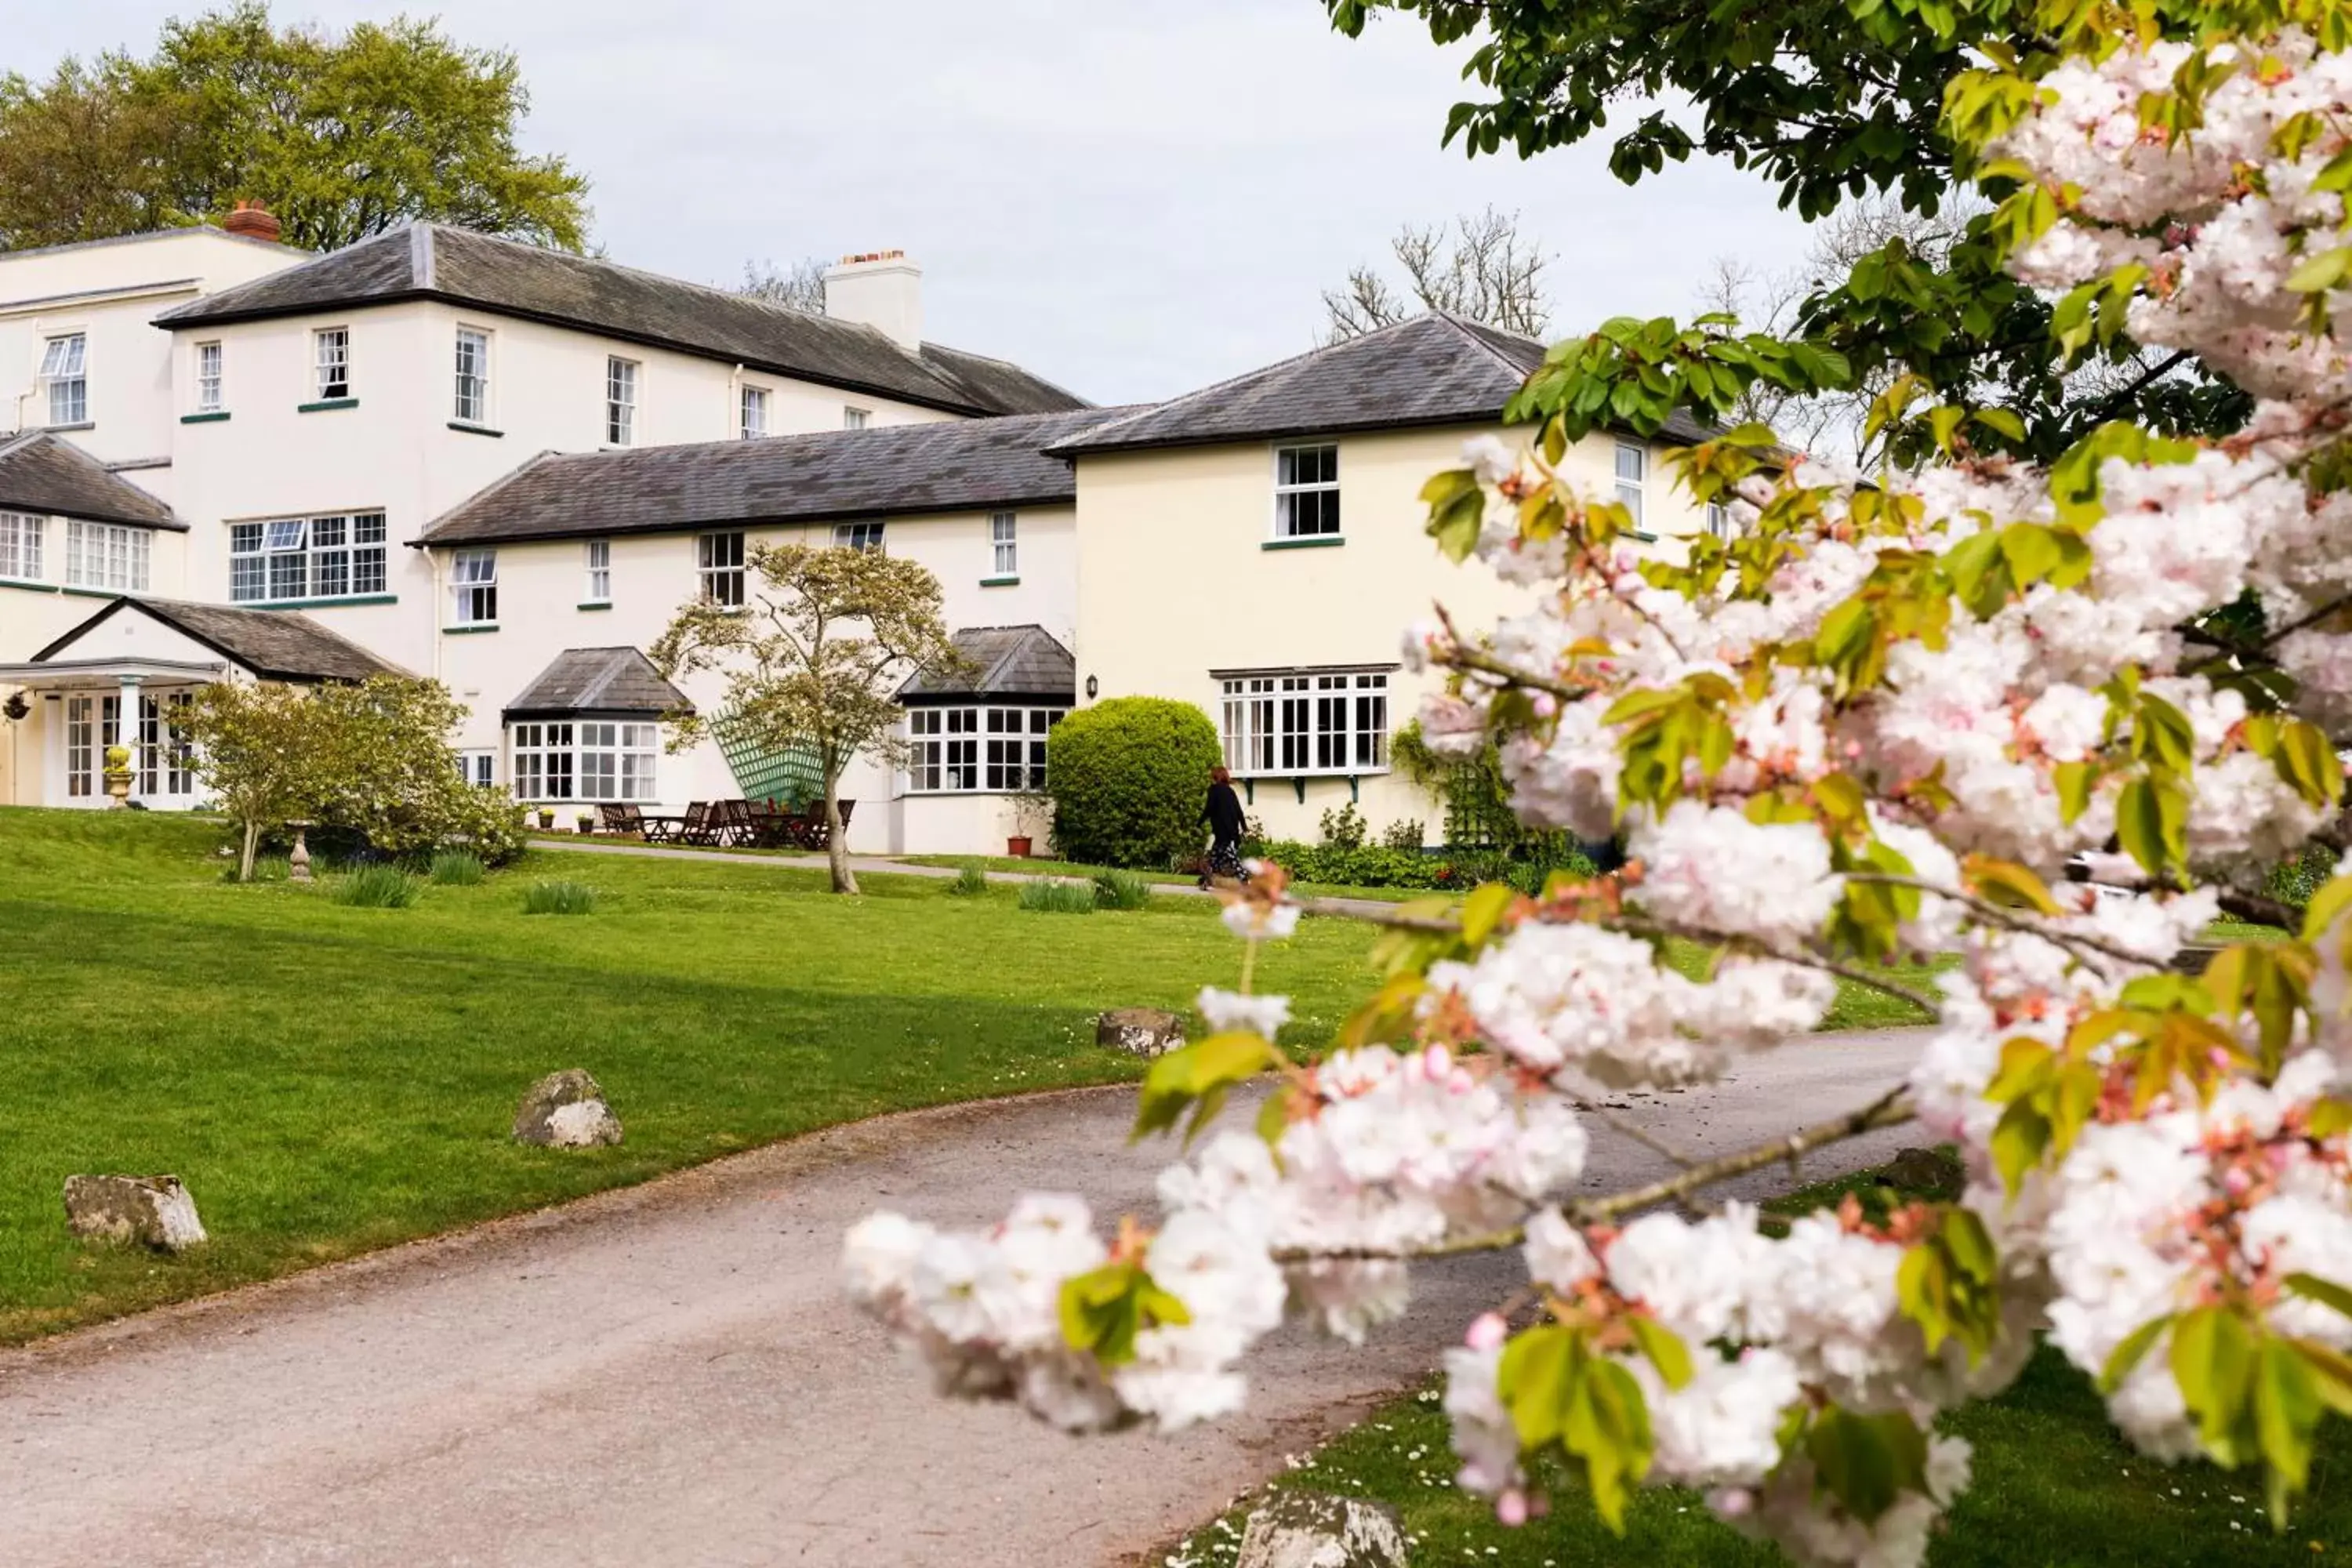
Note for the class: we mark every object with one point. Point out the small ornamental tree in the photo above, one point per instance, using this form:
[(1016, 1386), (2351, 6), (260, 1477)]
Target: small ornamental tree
[(388, 774), (1128, 777), (816, 659), (1876, 723), (261, 751)]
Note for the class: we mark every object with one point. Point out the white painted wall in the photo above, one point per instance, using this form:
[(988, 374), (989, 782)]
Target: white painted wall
[(1178, 582), (110, 292), (33, 615)]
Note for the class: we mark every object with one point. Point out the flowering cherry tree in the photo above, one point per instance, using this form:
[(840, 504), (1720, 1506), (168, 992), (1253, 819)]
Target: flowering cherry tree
[(1872, 726)]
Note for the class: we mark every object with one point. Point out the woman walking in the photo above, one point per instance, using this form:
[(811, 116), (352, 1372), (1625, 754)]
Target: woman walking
[(1224, 815)]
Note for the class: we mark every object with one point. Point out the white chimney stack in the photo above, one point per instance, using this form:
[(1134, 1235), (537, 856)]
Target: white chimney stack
[(881, 290)]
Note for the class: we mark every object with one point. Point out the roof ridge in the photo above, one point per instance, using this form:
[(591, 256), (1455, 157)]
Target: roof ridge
[(425, 535), (1476, 333)]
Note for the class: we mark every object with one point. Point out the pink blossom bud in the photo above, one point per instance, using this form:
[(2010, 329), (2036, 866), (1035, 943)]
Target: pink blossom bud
[(1487, 1330), (1544, 704), (1511, 1507), (1436, 1062)]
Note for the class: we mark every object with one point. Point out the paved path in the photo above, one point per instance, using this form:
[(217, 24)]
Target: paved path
[(668, 1375)]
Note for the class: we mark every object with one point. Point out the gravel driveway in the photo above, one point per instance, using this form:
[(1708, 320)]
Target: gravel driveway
[(668, 1375)]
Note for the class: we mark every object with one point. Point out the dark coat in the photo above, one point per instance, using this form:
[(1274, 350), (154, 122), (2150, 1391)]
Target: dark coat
[(1223, 813)]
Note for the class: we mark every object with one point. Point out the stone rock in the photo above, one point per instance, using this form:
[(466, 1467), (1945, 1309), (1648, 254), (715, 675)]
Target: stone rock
[(1929, 1172), (142, 1211), (1316, 1529), (1140, 1031), (566, 1110)]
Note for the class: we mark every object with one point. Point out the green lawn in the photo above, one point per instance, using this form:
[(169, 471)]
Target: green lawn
[(2053, 1488), (331, 1080)]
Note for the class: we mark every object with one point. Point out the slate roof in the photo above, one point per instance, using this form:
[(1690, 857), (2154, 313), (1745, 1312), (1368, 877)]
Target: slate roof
[(437, 262), (1012, 661), (597, 682), (40, 472), (1435, 369), (969, 464), (275, 645)]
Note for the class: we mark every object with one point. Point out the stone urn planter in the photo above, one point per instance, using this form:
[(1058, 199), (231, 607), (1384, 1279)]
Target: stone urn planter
[(298, 859), (119, 777)]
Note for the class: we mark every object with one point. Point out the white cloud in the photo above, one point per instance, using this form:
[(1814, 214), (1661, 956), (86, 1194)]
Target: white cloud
[(1133, 200)]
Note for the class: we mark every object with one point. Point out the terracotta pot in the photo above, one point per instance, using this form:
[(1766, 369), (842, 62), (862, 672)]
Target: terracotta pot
[(1017, 846)]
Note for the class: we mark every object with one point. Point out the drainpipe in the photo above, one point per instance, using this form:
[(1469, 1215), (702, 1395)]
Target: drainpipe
[(730, 417)]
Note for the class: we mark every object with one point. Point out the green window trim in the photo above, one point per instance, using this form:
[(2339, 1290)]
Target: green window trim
[(462, 429), (595, 604), (81, 593), (337, 602), (212, 417), (1000, 582), (1307, 542), (327, 406), (469, 631), (31, 585)]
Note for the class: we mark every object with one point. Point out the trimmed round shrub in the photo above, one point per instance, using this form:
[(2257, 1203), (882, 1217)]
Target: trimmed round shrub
[(1127, 778)]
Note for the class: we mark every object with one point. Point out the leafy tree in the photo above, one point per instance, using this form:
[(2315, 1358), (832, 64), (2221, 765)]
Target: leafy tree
[(800, 286), (262, 752), (816, 659), (388, 773), (339, 136), (1831, 100), (1485, 272)]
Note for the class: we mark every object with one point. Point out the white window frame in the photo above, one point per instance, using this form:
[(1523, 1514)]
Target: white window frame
[(1312, 722), (1004, 546), (65, 378), (211, 364), (751, 413), (22, 536), (597, 559), (1291, 493), (478, 766), (110, 556), (621, 388), (978, 748), (719, 568), (304, 560), (873, 536), (585, 759), (330, 360), (470, 390), (474, 588), (856, 418), (1632, 473), (1718, 520)]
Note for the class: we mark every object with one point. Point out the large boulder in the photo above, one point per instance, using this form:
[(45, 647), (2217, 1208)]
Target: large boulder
[(1140, 1031), (566, 1110), (141, 1211), (1316, 1529)]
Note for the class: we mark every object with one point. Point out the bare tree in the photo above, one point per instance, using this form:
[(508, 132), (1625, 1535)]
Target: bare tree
[(800, 286), (1482, 269)]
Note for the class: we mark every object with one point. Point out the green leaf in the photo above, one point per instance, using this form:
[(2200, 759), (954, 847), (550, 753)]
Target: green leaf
[(1663, 1347), (2213, 1361), (1102, 1312), (1198, 1077), (2331, 900), (1866, 1462), (2326, 1292), (1484, 909), (1534, 1381), (2075, 781), (2131, 1352), (2286, 1413)]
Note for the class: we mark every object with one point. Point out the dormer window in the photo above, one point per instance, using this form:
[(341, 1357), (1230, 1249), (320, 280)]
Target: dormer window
[(64, 376)]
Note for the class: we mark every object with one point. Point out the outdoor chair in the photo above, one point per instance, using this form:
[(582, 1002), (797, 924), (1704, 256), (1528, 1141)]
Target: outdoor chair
[(621, 819), (731, 823), (698, 827)]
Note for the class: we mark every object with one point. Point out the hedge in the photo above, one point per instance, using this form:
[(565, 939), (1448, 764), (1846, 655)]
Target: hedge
[(1128, 779)]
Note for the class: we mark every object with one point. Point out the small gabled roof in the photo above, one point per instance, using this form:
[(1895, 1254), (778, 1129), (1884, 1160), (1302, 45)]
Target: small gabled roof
[(507, 276), (1435, 369), (966, 465), (1008, 662), (273, 645), (599, 683), (43, 472)]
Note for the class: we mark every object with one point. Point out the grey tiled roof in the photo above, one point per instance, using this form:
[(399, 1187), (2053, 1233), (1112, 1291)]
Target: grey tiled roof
[(41, 472), (617, 681), (1431, 370), (425, 260), (966, 465), (275, 645), (1010, 661)]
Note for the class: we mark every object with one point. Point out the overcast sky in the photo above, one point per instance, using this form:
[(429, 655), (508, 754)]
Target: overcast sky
[(1132, 199)]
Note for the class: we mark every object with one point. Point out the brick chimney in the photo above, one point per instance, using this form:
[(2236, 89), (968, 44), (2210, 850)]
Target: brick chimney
[(253, 219), (881, 290)]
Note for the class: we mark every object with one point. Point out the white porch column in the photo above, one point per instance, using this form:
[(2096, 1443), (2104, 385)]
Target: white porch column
[(126, 724)]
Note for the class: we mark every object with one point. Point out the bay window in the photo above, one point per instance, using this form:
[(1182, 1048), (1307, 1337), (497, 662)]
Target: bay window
[(1287, 723), (585, 759), (978, 749)]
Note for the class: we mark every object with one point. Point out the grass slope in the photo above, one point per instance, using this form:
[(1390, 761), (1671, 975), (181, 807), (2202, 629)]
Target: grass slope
[(330, 1079)]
